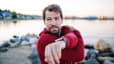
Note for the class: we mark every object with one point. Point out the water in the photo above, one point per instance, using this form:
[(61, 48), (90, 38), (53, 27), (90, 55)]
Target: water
[(91, 31)]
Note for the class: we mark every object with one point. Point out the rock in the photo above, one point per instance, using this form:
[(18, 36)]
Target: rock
[(106, 54), (106, 58), (112, 44), (91, 58), (89, 46), (102, 46), (3, 49), (5, 44), (91, 54), (91, 61), (108, 62)]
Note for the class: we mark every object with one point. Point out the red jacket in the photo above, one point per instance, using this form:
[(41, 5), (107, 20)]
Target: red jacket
[(74, 51)]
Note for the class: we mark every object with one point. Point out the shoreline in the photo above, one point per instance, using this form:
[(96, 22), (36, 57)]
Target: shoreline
[(19, 54), (18, 19)]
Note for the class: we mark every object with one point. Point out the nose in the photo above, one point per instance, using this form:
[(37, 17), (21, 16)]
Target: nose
[(53, 22)]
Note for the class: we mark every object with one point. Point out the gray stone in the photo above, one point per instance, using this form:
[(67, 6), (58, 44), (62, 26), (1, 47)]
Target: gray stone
[(91, 57), (108, 62)]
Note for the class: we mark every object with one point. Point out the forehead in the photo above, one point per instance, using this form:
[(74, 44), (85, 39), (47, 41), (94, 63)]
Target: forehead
[(52, 14)]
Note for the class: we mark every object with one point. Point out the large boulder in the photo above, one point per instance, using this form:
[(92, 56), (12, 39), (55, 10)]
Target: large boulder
[(102, 46), (108, 62), (91, 54), (91, 57)]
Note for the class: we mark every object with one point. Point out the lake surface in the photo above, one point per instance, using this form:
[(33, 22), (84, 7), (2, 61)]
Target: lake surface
[(91, 31)]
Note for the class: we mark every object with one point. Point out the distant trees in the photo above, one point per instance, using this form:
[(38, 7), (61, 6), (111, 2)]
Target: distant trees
[(7, 14), (14, 15)]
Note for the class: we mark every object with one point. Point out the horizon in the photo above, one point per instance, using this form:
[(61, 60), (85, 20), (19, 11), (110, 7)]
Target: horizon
[(80, 8)]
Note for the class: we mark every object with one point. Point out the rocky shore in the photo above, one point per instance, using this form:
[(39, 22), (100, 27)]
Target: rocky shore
[(11, 53), (19, 50), (100, 53)]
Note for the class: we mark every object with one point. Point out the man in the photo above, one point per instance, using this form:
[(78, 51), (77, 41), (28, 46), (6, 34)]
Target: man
[(58, 44)]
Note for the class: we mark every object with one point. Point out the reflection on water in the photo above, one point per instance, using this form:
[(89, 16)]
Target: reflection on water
[(90, 30)]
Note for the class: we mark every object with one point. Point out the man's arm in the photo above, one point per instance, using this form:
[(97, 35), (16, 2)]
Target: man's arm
[(42, 42), (71, 40), (76, 52), (53, 50)]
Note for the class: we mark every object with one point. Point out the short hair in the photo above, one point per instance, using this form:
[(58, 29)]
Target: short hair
[(52, 7)]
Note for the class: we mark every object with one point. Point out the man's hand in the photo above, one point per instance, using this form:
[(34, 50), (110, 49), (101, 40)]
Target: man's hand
[(53, 52)]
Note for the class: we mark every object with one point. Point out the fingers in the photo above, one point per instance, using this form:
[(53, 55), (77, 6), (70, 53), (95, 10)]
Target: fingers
[(52, 54), (55, 55), (59, 52), (48, 56), (51, 60)]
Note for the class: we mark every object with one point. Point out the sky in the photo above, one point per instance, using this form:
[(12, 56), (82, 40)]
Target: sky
[(69, 7)]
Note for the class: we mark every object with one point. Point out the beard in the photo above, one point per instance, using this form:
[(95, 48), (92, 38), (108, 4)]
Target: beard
[(54, 29)]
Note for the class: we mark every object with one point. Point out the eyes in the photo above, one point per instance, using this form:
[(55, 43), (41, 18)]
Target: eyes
[(50, 19)]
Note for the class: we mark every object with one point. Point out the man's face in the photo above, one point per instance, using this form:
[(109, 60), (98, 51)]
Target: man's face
[(53, 21)]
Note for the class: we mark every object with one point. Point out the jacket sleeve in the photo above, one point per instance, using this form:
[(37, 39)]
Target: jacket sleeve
[(44, 40), (74, 50), (71, 40)]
